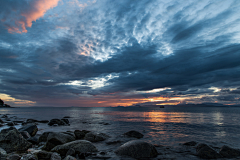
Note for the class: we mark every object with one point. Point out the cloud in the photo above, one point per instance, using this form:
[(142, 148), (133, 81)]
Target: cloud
[(18, 19), (115, 52)]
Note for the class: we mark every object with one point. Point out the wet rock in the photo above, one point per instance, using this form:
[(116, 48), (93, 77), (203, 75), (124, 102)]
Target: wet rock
[(43, 155), (13, 157), (1, 121), (4, 116), (71, 133), (96, 137), (57, 138), (31, 120), (11, 140), (80, 146), (229, 152), (55, 156), (33, 140), (200, 145), (3, 154), (70, 152), (137, 149), (204, 151), (80, 134), (25, 134), (134, 134), (43, 137), (10, 124), (69, 158), (191, 143), (65, 120), (56, 121), (29, 157), (30, 128)]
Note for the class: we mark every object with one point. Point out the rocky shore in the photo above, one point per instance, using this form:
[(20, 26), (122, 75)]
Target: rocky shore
[(26, 143)]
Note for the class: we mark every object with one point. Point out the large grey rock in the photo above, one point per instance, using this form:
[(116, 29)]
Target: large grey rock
[(80, 134), (206, 152), (55, 156), (29, 157), (96, 137), (80, 146), (134, 134), (43, 137), (25, 134), (30, 128), (56, 121), (13, 157), (229, 152), (3, 154), (43, 155), (11, 140), (34, 140), (57, 138), (137, 149), (70, 158)]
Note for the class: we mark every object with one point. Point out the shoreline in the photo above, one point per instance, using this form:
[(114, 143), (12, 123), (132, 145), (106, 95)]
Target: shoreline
[(107, 147)]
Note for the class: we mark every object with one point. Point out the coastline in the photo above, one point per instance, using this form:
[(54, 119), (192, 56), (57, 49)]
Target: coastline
[(107, 147)]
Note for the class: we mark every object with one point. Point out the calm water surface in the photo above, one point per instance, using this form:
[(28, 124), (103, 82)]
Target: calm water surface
[(166, 126)]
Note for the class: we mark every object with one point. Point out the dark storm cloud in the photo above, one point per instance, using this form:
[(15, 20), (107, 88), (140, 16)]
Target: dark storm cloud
[(131, 45)]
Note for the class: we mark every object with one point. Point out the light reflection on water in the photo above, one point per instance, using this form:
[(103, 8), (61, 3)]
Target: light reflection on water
[(168, 126)]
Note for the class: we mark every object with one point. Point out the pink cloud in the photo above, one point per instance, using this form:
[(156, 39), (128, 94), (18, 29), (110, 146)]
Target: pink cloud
[(36, 10)]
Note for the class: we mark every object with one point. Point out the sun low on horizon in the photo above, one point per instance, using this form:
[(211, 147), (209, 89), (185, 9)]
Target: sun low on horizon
[(101, 53)]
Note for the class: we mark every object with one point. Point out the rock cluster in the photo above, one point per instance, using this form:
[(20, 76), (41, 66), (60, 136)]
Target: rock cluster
[(26, 144)]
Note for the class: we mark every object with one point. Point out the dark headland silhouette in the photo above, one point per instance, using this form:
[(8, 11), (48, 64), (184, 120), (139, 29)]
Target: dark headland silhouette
[(2, 105)]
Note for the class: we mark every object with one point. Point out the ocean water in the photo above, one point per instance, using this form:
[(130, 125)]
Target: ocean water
[(165, 126)]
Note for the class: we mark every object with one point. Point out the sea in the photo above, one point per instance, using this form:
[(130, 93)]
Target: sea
[(167, 126)]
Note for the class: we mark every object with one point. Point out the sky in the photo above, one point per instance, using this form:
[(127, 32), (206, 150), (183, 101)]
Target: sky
[(99, 53)]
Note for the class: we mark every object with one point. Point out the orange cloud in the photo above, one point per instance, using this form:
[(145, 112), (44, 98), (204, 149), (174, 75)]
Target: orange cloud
[(37, 10)]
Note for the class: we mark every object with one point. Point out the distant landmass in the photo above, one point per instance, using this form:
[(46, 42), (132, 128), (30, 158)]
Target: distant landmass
[(3, 105)]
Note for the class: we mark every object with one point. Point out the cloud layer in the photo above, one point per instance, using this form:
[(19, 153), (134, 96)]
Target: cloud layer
[(109, 53)]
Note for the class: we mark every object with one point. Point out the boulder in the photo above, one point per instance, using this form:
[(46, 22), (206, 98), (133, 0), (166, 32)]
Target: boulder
[(25, 134), (55, 156), (137, 149), (206, 152), (4, 116), (80, 146), (70, 158), (14, 157), (70, 152), (11, 140), (43, 155), (43, 137), (56, 121), (57, 138), (30, 128), (33, 140), (29, 157), (65, 120), (134, 134), (96, 137), (10, 124), (3, 154), (191, 143), (80, 134), (228, 152)]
